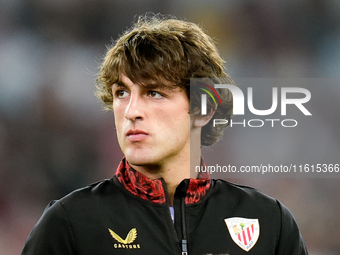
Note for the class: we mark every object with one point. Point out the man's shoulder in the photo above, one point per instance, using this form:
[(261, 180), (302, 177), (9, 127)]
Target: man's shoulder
[(238, 188), (94, 194), (92, 190), (243, 194)]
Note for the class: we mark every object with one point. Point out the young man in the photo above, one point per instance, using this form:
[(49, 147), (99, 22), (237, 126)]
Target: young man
[(151, 205)]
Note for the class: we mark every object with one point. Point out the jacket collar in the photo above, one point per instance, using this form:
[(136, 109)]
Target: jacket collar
[(153, 190)]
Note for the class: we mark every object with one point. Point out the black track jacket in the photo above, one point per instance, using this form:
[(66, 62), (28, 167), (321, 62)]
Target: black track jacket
[(129, 214)]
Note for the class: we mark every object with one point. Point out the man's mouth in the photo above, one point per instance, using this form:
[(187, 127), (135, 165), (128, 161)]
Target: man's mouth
[(136, 135)]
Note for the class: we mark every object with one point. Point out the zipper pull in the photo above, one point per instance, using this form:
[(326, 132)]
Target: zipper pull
[(184, 247)]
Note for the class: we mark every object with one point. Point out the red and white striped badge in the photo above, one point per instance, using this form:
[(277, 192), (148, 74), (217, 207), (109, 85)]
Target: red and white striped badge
[(244, 232)]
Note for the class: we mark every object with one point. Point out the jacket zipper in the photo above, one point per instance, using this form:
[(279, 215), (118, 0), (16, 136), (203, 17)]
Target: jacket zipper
[(184, 244), (184, 230)]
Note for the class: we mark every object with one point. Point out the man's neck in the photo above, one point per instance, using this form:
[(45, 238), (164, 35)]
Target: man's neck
[(172, 173)]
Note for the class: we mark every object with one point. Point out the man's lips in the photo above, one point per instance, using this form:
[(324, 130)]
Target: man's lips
[(136, 135)]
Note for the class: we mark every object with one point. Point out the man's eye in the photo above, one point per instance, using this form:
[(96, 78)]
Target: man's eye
[(121, 93), (155, 94)]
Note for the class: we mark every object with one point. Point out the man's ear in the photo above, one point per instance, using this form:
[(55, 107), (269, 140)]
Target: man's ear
[(201, 121)]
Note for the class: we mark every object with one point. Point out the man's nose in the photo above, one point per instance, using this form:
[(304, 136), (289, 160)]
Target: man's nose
[(134, 109)]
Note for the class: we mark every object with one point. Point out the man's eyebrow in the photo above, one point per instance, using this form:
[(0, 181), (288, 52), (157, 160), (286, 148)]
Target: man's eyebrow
[(150, 86), (119, 84), (154, 86)]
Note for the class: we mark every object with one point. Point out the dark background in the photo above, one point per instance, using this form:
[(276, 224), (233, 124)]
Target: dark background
[(54, 137)]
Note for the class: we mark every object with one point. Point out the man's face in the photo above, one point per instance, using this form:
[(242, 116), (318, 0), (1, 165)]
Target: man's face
[(153, 124)]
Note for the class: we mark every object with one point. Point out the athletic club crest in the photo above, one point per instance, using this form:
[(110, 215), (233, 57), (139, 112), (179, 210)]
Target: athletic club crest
[(244, 232)]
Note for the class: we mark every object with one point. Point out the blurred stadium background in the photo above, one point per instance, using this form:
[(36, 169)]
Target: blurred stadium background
[(55, 138)]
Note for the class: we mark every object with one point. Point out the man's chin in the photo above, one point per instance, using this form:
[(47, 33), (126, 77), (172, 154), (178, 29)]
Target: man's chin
[(139, 160)]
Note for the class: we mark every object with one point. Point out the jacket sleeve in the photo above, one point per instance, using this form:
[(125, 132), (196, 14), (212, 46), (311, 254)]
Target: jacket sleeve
[(52, 234), (291, 241)]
